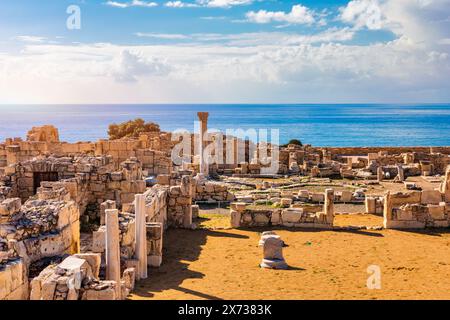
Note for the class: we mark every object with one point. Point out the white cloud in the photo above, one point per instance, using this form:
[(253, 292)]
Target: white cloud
[(129, 66), (224, 3), (180, 4), (165, 36), (363, 13), (133, 3), (266, 67), (257, 38), (208, 3), (298, 15), (32, 39)]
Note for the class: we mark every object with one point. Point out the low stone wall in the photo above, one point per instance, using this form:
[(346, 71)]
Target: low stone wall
[(416, 210), (212, 192), (298, 217), (390, 150)]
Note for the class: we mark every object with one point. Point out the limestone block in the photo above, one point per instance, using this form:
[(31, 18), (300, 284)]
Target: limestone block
[(235, 219), (163, 179), (10, 206), (370, 203), (98, 240), (195, 211), (184, 201), (400, 198), (247, 218), (261, 219), (286, 202), (154, 261), (275, 218), (106, 294), (286, 194), (431, 197), (209, 188), (73, 264), (437, 212), (317, 197), (291, 215), (346, 196), (129, 278), (48, 288), (405, 214), (303, 194), (94, 261), (238, 206), (12, 278), (187, 216), (175, 190)]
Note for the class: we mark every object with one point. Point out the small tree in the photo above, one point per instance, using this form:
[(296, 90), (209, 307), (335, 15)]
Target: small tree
[(293, 141), (131, 129), (296, 142)]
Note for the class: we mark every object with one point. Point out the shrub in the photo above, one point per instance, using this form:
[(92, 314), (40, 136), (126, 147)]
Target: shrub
[(131, 129), (293, 141)]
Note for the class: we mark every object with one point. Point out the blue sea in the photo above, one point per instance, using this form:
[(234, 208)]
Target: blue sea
[(319, 125)]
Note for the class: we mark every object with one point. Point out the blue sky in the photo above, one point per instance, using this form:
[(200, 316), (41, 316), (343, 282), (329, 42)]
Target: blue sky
[(206, 51), (103, 22)]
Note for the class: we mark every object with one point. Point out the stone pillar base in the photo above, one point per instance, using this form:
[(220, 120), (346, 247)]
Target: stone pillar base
[(154, 261), (274, 264)]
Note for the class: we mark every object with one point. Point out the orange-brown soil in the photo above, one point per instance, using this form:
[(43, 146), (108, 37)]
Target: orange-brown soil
[(224, 264)]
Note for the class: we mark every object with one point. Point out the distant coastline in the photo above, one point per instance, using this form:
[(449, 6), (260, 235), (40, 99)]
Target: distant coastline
[(338, 125)]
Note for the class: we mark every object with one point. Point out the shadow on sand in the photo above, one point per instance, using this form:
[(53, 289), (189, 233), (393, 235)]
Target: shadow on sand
[(183, 249)]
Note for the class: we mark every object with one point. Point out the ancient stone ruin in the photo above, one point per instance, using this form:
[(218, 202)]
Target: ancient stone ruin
[(81, 221)]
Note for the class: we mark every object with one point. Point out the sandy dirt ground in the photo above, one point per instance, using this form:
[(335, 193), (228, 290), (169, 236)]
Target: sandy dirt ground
[(224, 264)]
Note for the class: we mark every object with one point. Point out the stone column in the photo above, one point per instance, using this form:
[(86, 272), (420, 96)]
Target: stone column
[(329, 205), (203, 118), (380, 174), (387, 210), (401, 173), (445, 187), (113, 249), (141, 236), (371, 205), (108, 204), (350, 162)]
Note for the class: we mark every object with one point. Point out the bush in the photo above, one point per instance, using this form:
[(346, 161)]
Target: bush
[(131, 129), (293, 141)]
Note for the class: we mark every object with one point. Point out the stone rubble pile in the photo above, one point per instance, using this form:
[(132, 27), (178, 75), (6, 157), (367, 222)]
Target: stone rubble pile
[(77, 278)]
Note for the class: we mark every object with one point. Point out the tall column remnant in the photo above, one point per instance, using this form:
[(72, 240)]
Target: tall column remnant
[(329, 205), (141, 235), (387, 210), (380, 174), (203, 118), (445, 187), (113, 249)]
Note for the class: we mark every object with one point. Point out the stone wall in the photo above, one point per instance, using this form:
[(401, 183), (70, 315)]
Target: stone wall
[(179, 205), (13, 280), (89, 180), (151, 149), (349, 151), (208, 191), (416, 210), (299, 217)]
